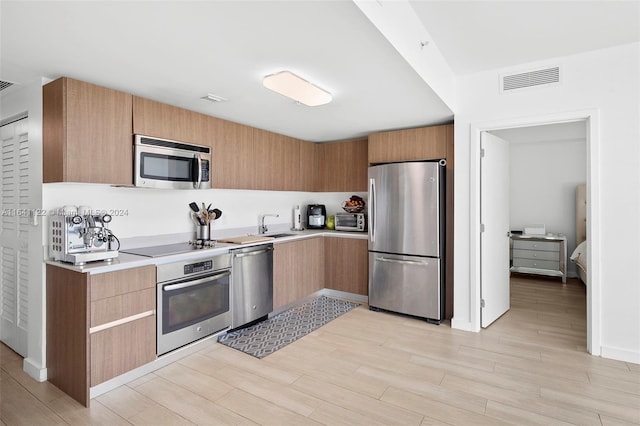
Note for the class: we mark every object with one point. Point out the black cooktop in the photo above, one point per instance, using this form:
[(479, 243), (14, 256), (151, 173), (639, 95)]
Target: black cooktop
[(169, 249)]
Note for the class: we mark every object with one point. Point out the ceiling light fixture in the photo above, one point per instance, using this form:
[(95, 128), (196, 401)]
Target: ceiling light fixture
[(213, 98), (300, 90)]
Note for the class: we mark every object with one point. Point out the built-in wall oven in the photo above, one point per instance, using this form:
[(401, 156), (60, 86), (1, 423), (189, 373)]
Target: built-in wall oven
[(192, 300)]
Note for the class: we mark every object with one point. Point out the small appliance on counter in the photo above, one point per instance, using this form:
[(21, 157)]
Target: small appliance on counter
[(297, 219), (355, 222), (316, 216), (80, 235)]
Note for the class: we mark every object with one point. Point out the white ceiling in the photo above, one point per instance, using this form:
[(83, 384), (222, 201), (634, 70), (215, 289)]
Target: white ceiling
[(178, 51), (481, 35)]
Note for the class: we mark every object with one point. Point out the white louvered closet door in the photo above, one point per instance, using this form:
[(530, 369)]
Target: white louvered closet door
[(14, 235)]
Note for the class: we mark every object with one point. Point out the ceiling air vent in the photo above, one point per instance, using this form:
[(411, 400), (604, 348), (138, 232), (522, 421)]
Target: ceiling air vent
[(530, 79), (4, 85)]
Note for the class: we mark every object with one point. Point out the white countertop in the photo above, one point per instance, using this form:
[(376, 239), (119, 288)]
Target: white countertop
[(127, 261)]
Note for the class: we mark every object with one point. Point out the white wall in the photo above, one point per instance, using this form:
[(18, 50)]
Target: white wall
[(543, 179), (606, 80)]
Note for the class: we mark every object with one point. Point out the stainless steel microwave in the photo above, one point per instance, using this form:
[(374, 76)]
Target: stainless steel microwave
[(167, 164), (356, 222)]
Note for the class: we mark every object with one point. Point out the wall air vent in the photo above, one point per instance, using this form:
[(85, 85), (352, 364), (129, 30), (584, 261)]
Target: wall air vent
[(5, 85), (530, 79)]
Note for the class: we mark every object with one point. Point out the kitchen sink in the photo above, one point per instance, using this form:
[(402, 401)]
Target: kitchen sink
[(280, 235)]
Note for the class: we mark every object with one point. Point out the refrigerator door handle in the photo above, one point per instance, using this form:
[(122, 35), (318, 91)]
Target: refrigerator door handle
[(404, 262), (372, 209)]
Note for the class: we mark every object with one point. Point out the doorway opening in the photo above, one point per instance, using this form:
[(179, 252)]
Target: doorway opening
[(480, 263)]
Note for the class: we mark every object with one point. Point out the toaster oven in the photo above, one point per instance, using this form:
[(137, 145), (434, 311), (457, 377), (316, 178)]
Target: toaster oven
[(356, 222)]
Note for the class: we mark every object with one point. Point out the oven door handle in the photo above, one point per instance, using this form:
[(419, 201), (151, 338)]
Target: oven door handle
[(172, 287)]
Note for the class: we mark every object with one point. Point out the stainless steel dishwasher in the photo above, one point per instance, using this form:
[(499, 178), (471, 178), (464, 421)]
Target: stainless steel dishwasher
[(251, 284)]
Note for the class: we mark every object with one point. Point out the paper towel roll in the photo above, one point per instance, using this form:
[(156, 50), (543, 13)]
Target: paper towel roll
[(297, 218)]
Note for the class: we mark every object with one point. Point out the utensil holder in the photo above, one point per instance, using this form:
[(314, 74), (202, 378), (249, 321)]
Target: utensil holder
[(202, 232)]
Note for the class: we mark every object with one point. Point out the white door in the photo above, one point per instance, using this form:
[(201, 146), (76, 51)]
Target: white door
[(494, 238), (14, 235)]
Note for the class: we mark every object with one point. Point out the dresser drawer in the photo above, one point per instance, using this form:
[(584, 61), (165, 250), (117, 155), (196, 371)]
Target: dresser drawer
[(536, 245), (538, 264), (536, 254)]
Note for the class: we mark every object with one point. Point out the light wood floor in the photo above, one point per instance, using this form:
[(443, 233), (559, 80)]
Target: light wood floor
[(369, 368)]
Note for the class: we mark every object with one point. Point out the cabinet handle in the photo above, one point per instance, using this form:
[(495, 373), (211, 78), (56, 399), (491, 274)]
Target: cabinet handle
[(121, 321)]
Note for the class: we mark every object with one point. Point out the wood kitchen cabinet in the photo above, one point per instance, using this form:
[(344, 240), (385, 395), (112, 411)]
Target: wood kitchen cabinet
[(298, 270), (277, 161), (346, 265), (87, 133), (151, 118), (342, 166), (98, 326), (308, 166), (425, 143), (233, 157)]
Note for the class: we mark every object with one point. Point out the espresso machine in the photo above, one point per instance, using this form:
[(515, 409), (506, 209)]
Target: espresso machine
[(81, 235)]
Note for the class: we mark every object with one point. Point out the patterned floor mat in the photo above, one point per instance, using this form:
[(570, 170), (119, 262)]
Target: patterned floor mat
[(277, 332)]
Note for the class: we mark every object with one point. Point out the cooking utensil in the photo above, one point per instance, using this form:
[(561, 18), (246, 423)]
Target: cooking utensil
[(218, 213), (198, 221), (194, 207)]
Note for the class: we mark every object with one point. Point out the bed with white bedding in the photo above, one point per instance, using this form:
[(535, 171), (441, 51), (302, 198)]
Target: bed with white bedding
[(579, 255)]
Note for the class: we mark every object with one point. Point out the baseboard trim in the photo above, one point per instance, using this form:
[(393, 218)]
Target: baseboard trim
[(34, 370), (620, 354), (352, 297)]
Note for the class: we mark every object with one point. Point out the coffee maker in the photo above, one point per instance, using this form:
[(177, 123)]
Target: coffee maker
[(316, 216), (80, 235)]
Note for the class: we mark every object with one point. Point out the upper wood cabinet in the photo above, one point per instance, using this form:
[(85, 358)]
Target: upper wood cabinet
[(277, 161), (87, 133), (88, 137), (151, 118), (308, 166), (425, 143), (232, 155), (342, 166)]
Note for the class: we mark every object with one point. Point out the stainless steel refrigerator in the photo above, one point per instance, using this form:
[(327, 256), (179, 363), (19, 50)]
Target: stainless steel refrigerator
[(406, 238)]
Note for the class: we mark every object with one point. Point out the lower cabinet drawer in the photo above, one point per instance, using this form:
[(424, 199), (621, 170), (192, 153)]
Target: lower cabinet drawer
[(536, 254), (119, 349), (538, 264), (122, 306), (536, 245)]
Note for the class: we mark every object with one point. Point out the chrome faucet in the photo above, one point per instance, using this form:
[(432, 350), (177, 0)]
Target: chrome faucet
[(262, 229)]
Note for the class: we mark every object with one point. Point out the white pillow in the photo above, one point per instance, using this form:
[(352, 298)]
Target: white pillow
[(581, 249)]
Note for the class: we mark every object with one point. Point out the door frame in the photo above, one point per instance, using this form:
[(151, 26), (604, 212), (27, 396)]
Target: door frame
[(592, 121)]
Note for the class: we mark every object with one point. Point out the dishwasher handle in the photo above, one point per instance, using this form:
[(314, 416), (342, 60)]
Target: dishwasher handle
[(253, 253)]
